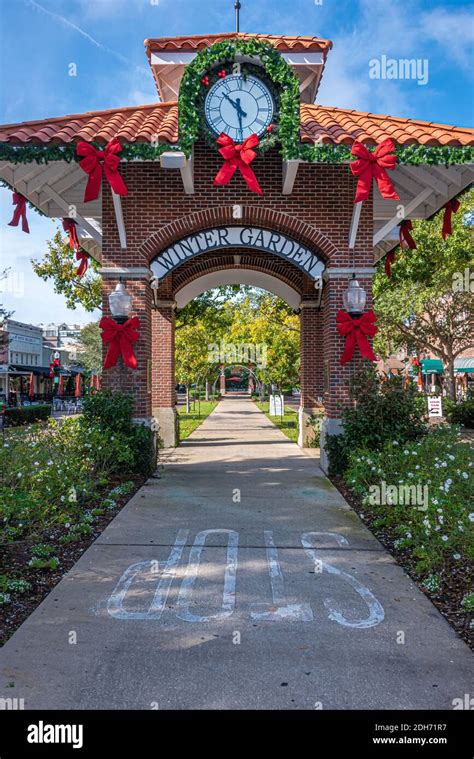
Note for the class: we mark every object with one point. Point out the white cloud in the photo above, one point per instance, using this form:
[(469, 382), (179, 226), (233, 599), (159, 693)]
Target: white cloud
[(453, 31)]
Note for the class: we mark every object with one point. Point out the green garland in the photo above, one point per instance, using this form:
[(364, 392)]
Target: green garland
[(223, 54), (286, 134)]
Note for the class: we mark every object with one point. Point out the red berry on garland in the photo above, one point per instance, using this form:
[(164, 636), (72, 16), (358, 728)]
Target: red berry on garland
[(270, 127), (222, 73), (205, 80)]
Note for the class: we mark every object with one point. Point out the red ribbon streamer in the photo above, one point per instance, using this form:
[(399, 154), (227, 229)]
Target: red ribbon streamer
[(121, 338), (389, 260), (69, 225), (97, 162), (404, 235), (238, 157), (369, 166), (82, 256), (356, 332), (452, 206), (19, 213)]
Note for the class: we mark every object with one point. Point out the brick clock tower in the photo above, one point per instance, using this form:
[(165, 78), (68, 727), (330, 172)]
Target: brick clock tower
[(236, 176)]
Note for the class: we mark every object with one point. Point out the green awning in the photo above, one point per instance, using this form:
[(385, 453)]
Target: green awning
[(431, 366), (462, 365)]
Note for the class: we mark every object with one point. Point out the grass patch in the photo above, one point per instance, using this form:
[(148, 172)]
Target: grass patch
[(188, 422), (288, 423)]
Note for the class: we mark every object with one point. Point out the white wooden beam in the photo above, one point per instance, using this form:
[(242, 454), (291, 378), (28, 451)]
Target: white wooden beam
[(354, 224), (48, 176), (395, 220), (290, 170), (187, 176), (410, 185), (66, 208), (423, 176), (119, 218), (450, 173)]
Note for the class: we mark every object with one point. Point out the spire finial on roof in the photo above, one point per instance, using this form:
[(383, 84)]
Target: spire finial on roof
[(237, 7)]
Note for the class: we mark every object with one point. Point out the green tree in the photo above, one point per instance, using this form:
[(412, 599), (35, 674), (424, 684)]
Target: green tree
[(4, 315), (192, 355), (59, 265), (427, 304), (91, 345)]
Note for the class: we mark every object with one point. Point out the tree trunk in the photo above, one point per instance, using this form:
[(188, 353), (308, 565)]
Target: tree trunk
[(207, 390), (188, 408), (451, 379)]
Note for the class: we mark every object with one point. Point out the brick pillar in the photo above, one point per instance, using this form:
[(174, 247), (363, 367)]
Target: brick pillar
[(337, 378), (163, 374), (311, 371), (133, 381)]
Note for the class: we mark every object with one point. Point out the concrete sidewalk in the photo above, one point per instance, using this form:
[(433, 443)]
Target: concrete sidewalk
[(239, 579)]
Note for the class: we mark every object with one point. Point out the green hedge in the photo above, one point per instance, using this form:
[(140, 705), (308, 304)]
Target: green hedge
[(460, 413), (15, 417)]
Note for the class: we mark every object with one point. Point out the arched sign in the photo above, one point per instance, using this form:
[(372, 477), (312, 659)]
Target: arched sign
[(254, 238)]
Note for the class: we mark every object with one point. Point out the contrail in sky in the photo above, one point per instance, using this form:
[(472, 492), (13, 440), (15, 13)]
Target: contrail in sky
[(84, 34)]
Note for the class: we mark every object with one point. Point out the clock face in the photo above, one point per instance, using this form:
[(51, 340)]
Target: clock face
[(239, 107)]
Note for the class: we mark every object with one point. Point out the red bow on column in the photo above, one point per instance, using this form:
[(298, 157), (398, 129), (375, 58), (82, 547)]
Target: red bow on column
[(238, 157), (120, 337), (19, 213), (356, 332), (452, 206), (69, 225), (369, 166), (404, 235), (98, 161)]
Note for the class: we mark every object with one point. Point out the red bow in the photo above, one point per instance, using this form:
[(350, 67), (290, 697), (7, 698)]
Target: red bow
[(371, 166), (19, 213), (98, 161), (121, 338), (389, 260), (238, 157), (82, 256), (452, 206), (405, 236), (356, 331), (69, 225)]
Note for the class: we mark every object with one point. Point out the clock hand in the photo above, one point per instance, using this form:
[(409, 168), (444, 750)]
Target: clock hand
[(235, 103), (241, 131), (239, 108)]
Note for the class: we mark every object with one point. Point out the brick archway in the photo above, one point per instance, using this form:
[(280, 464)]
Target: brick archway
[(251, 215)]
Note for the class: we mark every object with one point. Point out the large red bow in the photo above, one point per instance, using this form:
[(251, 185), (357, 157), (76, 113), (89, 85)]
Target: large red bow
[(452, 206), (238, 157), (98, 161), (369, 166), (69, 225), (120, 337), (356, 332), (404, 235), (19, 213)]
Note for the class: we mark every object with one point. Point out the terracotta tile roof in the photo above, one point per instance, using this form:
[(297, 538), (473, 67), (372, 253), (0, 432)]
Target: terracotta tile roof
[(139, 123), (344, 126), (194, 42), (143, 123)]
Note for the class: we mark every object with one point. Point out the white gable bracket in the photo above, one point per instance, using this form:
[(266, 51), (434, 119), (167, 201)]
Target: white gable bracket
[(395, 220), (119, 219)]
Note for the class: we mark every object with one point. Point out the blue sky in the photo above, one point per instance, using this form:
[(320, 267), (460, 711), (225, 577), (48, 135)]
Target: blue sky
[(104, 38)]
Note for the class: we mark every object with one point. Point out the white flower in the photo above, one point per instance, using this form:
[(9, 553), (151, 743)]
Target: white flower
[(435, 501), (407, 453), (444, 537), (20, 474), (68, 524), (456, 556), (471, 516), (417, 466), (410, 474), (408, 534), (465, 475), (395, 442)]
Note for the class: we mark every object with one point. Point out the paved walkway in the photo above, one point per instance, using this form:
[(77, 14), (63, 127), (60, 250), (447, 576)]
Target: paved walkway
[(239, 579)]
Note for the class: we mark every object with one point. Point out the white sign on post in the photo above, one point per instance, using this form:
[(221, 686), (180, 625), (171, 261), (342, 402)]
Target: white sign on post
[(277, 405), (435, 405)]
